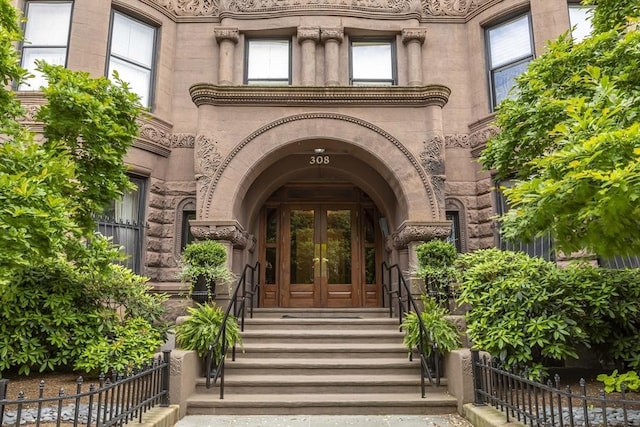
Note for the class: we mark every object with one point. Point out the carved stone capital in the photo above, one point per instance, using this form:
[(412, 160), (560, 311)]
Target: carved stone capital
[(421, 232), (308, 33), (336, 34), (411, 34), (226, 33), (231, 233)]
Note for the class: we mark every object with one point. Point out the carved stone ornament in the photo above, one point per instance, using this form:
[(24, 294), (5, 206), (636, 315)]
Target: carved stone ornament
[(225, 33), (208, 159), (155, 134), (474, 140), (420, 233), (457, 141), (308, 33), (431, 158), (450, 7), (230, 233), (397, 6), (411, 34), (191, 7), (332, 34), (437, 183), (183, 140)]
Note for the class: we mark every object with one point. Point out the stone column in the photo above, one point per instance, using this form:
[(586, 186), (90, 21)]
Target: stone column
[(332, 37), (413, 38), (227, 38), (308, 37)]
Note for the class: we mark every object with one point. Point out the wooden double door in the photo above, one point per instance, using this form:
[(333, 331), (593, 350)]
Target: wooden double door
[(326, 255)]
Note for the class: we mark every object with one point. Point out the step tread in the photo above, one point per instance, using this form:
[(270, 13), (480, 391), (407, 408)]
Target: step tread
[(347, 362), (346, 346), (338, 400), (310, 380), (341, 333)]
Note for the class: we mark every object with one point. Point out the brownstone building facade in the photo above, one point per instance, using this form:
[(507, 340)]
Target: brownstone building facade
[(319, 137)]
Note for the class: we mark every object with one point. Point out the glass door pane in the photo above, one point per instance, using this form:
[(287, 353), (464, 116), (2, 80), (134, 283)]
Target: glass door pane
[(302, 261), (338, 253)]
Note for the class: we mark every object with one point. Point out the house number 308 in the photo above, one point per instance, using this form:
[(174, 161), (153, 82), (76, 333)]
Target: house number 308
[(319, 160)]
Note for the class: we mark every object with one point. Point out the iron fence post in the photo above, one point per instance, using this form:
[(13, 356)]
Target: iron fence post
[(166, 358), (4, 383), (477, 378)]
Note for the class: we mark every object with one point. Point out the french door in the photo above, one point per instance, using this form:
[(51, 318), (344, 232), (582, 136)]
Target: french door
[(321, 252)]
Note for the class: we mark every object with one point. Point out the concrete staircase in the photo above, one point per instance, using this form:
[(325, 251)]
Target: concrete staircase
[(321, 361)]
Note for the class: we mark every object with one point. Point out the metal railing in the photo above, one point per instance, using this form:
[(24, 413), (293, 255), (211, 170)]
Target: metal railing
[(538, 404), (247, 289), (405, 304), (113, 401)]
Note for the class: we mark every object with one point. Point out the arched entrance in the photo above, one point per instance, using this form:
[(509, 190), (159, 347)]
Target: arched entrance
[(320, 247)]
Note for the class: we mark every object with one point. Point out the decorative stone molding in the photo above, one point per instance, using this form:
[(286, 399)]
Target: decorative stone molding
[(155, 134), (226, 33), (421, 232), (437, 183), (332, 34), (450, 7), (308, 33), (411, 34), (190, 7), (253, 6), (231, 233), (474, 140), (208, 197), (208, 160), (409, 96), (183, 140), (431, 157)]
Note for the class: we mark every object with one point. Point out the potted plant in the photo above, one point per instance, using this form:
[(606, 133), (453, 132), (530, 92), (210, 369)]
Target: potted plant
[(204, 265), (200, 328)]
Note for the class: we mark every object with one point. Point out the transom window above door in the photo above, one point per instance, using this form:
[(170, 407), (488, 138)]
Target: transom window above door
[(268, 61), (372, 62)]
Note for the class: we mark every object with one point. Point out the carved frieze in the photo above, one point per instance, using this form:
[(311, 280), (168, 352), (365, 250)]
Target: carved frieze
[(183, 140), (226, 33), (473, 140), (411, 34), (231, 233), (155, 134), (420, 233), (191, 7), (431, 158), (207, 162), (450, 7), (308, 33)]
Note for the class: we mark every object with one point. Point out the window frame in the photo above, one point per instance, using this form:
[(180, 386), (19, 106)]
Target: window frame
[(267, 81), (516, 61), (393, 81), (577, 5), (25, 45), (154, 49)]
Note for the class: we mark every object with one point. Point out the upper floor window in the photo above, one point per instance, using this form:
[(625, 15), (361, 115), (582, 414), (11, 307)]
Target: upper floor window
[(46, 36), (268, 62), (510, 49), (132, 46), (580, 20), (372, 62)]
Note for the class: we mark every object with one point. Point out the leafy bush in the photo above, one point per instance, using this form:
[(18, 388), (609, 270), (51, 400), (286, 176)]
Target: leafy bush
[(440, 331), (521, 312), (201, 328), (614, 381), (436, 264), (206, 258), (131, 345), (436, 253)]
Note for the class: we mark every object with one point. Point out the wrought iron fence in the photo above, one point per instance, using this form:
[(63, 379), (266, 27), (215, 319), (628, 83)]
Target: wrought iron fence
[(538, 404), (112, 402)]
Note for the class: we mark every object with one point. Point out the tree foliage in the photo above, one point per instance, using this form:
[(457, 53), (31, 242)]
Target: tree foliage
[(59, 288), (571, 139)]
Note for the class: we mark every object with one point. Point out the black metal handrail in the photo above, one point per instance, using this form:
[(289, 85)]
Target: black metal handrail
[(406, 303), (237, 305)]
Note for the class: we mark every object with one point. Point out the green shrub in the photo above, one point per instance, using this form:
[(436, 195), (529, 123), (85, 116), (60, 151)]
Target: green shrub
[(201, 327), (206, 258), (440, 331), (436, 253), (522, 312), (130, 346), (614, 381), (436, 264)]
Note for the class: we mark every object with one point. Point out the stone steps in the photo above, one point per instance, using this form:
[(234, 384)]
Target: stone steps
[(324, 362)]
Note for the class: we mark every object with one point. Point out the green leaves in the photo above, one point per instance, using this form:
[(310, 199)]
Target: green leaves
[(571, 140)]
